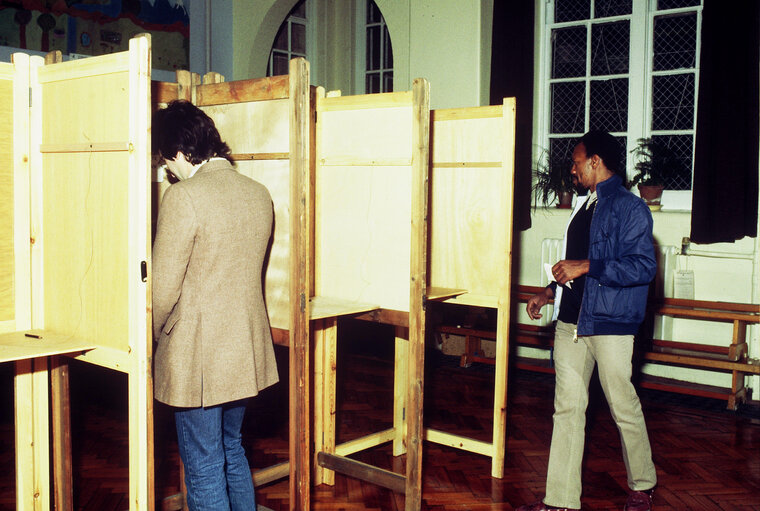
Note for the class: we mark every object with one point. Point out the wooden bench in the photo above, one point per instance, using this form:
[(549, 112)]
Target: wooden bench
[(732, 357)]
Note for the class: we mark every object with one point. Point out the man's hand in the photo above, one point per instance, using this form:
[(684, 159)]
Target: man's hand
[(537, 301), (567, 270)]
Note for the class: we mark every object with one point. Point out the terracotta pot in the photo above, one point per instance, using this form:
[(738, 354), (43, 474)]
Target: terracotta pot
[(651, 194), (565, 200)]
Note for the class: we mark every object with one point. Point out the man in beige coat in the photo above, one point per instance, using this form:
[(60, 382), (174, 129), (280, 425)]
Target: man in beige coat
[(209, 317)]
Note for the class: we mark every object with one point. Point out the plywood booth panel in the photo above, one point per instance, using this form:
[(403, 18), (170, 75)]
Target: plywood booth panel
[(87, 215), (86, 246), (471, 197), (258, 133), (81, 252), (363, 199), (7, 263)]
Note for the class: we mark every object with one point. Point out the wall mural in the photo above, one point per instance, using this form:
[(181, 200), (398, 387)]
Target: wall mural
[(96, 27)]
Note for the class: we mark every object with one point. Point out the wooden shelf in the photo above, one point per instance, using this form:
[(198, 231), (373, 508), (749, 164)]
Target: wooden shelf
[(17, 346), (326, 307), (442, 293)]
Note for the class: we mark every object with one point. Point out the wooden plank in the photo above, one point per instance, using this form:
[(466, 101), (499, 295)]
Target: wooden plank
[(707, 314), (280, 337), (319, 393), (140, 379), (418, 280), (329, 396), (400, 380), (256, 89), (459, 442), (706, 348), (442, 293), (24, 436), (7, 199), (63, 475), (351, 161), (162, 93), (326, 307), (260, 156), (456, 114), (186, 82), (705, 304), (744, 367), (270, 474), (504, 279), (387, 317), (364, 101), (300, 276), (364, 472), (113, 63), (16, 346), (364, 442), (86, 147)]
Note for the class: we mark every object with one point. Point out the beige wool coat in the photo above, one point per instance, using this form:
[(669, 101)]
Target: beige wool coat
[(209, 316)]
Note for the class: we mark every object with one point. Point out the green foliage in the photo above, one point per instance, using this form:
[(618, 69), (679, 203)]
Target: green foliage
[(655, 163), (551, 178)]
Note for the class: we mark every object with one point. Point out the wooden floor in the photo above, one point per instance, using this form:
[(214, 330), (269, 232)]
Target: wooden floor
[(706, 457)]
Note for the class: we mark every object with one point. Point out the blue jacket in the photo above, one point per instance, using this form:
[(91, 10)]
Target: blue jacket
[(622, 263)]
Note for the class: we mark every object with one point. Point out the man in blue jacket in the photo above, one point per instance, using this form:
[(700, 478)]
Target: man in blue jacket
[(600, 293)]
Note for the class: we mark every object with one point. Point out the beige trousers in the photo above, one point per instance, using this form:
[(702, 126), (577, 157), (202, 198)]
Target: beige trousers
[(574, 363)]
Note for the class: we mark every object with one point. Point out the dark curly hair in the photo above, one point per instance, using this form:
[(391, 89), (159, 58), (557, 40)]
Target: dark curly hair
[(607, 148), (182, 126)]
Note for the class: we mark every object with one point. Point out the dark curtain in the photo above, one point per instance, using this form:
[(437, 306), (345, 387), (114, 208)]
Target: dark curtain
[(512, 76), (725, 187)]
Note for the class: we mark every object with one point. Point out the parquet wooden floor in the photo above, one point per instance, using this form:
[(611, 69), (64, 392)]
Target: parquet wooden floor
[(706, 457)]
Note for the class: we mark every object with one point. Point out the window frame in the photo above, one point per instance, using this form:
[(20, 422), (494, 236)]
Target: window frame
[(309, 34), (640, 84), (360, 56)]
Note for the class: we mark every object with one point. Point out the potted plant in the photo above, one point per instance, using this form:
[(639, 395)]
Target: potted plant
[(552, 182), (655, 163)]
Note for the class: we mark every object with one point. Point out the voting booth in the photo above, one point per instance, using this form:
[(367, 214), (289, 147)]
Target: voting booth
[(76, 252)]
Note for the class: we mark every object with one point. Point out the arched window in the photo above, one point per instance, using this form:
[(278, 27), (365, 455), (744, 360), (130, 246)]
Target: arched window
[(378, 53), (291, 40)]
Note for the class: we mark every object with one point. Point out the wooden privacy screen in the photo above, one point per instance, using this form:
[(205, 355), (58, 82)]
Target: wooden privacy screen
[(258, 132), (370, 248), (472, 179), (268, 124), (86, 219), (364, 199), (7, 266), (14, 195)]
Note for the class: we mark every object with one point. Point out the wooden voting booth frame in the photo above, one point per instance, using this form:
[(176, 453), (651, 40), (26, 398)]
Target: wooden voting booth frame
[(268, 124), (364, 242), (472, 184), (370, 239), (79, 261)]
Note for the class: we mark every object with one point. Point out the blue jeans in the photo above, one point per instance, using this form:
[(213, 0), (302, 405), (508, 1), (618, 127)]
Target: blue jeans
[(217, 474)]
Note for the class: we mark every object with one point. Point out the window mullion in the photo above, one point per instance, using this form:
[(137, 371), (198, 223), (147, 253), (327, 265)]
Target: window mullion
[(640, 84)]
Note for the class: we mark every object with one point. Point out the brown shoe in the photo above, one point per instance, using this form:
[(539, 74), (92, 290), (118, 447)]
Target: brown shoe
[(640, 501), (540, 506)]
